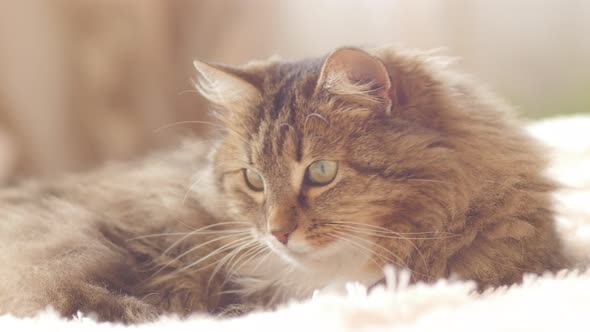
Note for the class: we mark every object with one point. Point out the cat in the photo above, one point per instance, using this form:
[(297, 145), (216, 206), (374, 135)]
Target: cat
[(325, 171)]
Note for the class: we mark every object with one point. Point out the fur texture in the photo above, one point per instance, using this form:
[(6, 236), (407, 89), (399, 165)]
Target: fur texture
[(434, 175)]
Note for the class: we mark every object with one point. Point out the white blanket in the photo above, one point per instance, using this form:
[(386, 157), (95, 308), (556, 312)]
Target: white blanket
[(547, 303)]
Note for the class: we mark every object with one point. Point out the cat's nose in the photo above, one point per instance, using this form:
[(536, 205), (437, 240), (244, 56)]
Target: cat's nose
[(282, 221), (282, 235)]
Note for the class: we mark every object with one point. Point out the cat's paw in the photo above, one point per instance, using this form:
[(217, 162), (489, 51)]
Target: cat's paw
[(124, 309), (103, 305)]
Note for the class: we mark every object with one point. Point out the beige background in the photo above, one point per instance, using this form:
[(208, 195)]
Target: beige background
[(83, 81)]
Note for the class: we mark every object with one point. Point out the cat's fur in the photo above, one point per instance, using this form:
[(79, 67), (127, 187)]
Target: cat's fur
[(434, 176)]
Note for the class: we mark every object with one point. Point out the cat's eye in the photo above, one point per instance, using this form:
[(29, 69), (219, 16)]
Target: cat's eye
[(253, 180), (321, 172)]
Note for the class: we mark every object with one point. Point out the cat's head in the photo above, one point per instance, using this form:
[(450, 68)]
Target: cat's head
[(333, 157)]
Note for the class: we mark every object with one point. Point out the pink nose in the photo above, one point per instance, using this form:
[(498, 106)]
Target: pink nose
[(282, 235)]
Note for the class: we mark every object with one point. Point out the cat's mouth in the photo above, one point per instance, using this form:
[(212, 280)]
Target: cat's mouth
[(288, 255), (298, 252), (294, 248)]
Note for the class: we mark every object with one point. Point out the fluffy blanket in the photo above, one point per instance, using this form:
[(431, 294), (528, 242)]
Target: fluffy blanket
[(541, 303)]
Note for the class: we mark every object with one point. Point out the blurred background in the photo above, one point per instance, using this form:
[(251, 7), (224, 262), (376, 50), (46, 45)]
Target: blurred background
[(84, 81)]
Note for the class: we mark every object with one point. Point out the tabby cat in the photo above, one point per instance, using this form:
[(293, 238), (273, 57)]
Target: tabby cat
[(325, 170)]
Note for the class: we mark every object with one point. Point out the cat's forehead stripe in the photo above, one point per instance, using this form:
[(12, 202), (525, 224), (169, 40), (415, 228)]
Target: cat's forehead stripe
[(281, 113), (287, 127), (284, 95)]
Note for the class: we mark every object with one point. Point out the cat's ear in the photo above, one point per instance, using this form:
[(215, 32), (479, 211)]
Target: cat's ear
[(225, 87), (358, 76)]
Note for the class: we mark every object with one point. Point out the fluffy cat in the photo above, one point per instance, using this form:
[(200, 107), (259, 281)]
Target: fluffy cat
[(325, 170)]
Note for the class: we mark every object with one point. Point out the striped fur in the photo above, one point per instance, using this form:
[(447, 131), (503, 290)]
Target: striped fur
[(435, 176)]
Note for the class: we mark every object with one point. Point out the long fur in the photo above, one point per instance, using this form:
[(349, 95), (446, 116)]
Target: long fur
[(444, 305), (435, 176)]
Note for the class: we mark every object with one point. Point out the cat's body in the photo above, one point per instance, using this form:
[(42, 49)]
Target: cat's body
[(63, 241), (429, 173)]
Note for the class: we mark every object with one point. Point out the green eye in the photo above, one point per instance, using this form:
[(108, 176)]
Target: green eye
[(253, 180), (322, 172)]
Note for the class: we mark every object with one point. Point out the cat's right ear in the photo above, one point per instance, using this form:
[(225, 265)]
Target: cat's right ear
[(355, 75), (225, 87)]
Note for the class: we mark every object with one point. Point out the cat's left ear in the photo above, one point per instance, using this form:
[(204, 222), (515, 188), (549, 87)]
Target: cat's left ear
[(226, 87), (355, 75)]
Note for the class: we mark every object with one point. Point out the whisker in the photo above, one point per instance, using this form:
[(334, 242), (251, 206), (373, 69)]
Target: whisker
[(196, 231), (426, 180), (232, 247), (177, 258), (349, 236), (400, 261), (253, 252), (314, 115), (383, 229), (186, 234), (372, 254), (268, 254), (229, 232), (204, 175), (257, 250), (253, 249), (183, 233), (156, 235), (221, 249), (400, 237), (190, 189), (227, 259), (188, 91), (382, 235)]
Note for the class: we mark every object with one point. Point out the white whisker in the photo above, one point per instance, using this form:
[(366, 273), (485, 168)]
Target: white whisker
[(369, 251), (197, 231), (196, 248), (227, 259), (383, 229), (400, 261), (221, 249), (383, 234)]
